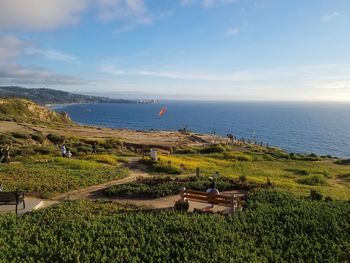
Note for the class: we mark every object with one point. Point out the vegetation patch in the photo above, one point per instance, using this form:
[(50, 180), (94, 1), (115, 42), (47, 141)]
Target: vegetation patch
[(49, 176), (159, 187), (313, 180), (275, 227)]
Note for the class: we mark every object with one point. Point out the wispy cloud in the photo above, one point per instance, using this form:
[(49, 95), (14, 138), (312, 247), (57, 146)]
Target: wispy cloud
[(40, 14), (211, 3), (12, 73), (50, 54), (329, 17), (124, 10), (232, 31)]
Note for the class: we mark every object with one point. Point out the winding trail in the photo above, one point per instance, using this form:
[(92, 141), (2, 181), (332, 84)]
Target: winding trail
[(91, 191)]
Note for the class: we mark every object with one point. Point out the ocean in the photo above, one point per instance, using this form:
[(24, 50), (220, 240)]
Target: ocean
[(321, 128)]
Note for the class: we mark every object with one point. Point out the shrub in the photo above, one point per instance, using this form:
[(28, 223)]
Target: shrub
[(343, 161), (20, 135), (313, 180), (6, 139), (212, 149), (55, 139), (185, 151), (181, 205), (39, 137), (165, 168), (328, 199), (315, 195), (298, 171), (243, 178)]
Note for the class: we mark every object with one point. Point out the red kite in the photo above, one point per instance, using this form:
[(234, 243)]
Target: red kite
[(162, 111)]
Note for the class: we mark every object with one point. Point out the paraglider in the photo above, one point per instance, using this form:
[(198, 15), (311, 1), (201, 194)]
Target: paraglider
[(162, 111)]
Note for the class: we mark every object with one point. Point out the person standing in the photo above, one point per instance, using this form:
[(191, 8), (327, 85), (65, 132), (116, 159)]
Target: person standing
[(94, 148), (63, 150)]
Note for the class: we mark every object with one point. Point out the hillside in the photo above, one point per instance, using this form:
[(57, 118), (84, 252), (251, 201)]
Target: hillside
[(50, 96), (27, 111)]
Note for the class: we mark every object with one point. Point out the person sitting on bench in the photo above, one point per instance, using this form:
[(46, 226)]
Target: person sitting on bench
[(213, 190)]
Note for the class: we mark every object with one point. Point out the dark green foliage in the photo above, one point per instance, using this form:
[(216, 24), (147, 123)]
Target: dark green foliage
[(159, 167), (316, 179), (39, 137), (298, 171), (21, 135), (5, 139), (185, 151), (181, 205), (55, 139), (274, 228), (243, 178), (315, 195), (328, 199), (212, 149), (158, 187), (343, 161)]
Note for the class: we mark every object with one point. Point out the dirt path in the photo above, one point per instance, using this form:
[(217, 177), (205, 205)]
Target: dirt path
[(95, 190)]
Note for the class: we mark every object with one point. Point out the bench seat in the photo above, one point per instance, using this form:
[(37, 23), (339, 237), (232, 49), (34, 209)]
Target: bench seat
[(12, 198)]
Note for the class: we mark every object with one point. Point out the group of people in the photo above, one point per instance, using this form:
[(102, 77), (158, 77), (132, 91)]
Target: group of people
[(5, 155), (67, 153)]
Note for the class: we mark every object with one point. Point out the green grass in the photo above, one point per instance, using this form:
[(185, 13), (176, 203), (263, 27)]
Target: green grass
[(275, 227), (49, 176), (286, 174)]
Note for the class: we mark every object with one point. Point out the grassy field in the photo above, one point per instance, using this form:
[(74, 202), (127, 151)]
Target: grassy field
[(274, 227), (49, 176), (292, 175)]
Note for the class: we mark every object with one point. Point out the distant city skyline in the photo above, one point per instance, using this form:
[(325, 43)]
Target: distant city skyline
[(292, 50)]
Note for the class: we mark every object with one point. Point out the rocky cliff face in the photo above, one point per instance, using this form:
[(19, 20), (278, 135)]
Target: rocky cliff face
[(25, 110)]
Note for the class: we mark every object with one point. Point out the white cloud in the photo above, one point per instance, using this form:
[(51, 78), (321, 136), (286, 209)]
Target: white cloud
[(50, 54), (10, 47), (14, 74), (40, 14), (329, 17), (232, 31), (125, 10), (211, 3), (187, 2)]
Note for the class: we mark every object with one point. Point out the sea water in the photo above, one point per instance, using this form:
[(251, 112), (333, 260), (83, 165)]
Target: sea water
[(321, 128)]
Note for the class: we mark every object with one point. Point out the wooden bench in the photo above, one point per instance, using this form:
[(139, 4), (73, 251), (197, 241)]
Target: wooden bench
[(210, 198), (12, 198)]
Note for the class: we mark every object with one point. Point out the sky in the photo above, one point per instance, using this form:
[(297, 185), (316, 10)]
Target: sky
[(268, 50)]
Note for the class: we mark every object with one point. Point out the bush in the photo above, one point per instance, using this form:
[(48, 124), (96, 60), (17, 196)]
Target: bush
[(315, 195), (181, 205), (313, 180), (343, 161), (185, 151), (243, 178), (20, 135), (165, 168), (6, 139), (55, 139), (328, 199), (39, 137), (212, 149), (298, 171)]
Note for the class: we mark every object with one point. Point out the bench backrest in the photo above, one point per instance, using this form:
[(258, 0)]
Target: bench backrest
[(210, 198), (10, 196)]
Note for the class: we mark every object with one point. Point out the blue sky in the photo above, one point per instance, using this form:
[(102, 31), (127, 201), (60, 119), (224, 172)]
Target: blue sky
[(181, 49)]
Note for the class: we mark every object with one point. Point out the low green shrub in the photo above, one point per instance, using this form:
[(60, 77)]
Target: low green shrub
[(313, 180), (315, 195), (21, 135), (55, 139), (6, 139), (39, 137), (343, 161), (159, 167), (212, 149)]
